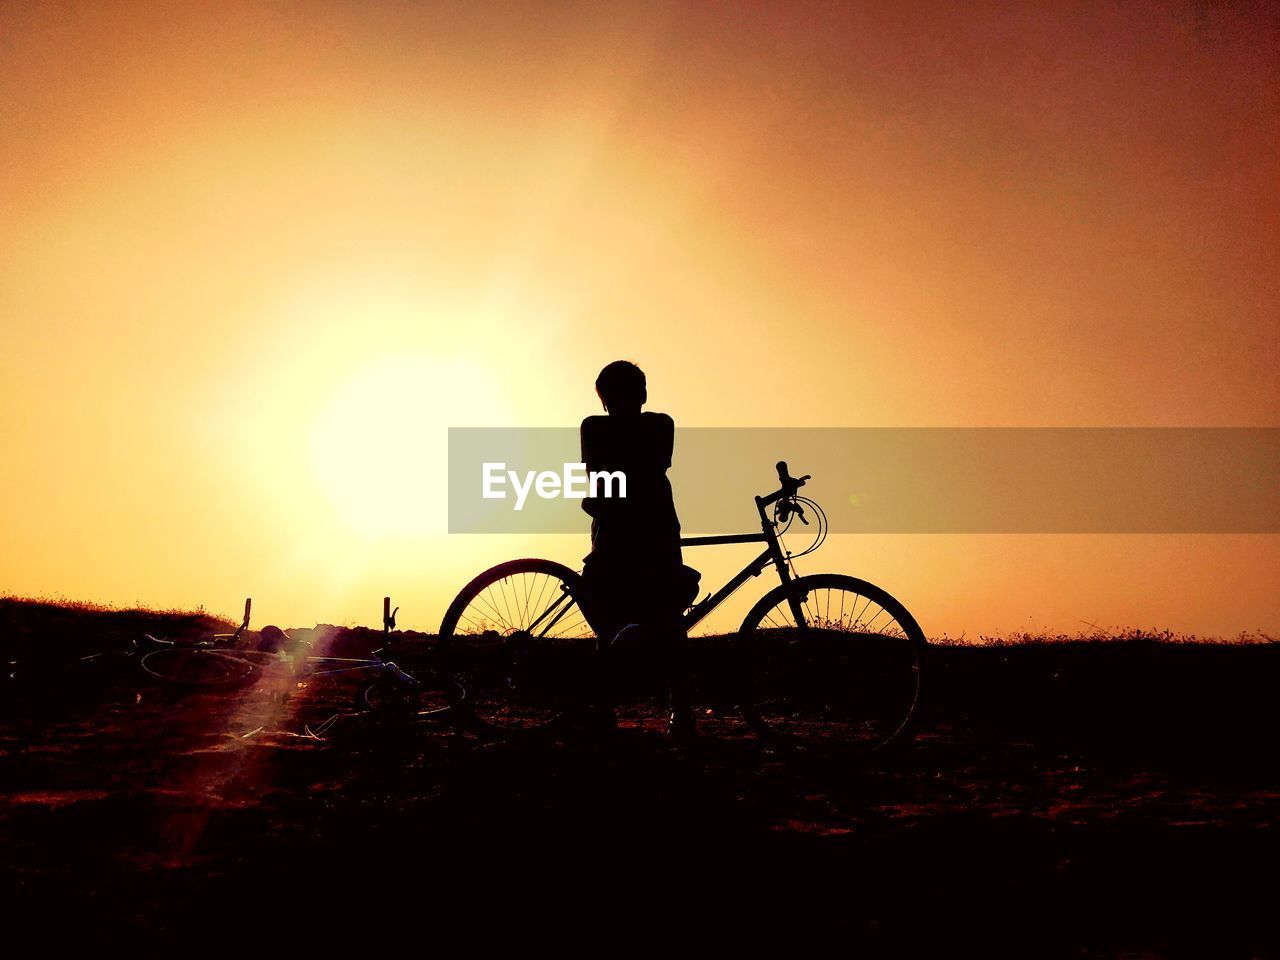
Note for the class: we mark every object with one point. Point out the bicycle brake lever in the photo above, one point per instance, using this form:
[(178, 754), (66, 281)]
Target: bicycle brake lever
[(800, 513)]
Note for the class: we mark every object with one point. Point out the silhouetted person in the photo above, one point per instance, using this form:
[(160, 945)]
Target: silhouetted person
[(635, 574)]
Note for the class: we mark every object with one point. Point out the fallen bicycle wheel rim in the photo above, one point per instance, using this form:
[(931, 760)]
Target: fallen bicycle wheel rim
[(435, 697), (517, 641), (198, 668), (848, 678)]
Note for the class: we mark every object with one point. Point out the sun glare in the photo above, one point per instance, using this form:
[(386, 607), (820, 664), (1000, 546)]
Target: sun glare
[(379, 445)]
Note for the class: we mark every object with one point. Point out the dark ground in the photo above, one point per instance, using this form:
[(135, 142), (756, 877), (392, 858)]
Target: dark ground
[(1088, 799)]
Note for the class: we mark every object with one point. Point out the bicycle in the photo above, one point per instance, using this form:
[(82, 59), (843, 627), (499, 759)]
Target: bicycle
[(92, 672), (821, 658), (219, 664)]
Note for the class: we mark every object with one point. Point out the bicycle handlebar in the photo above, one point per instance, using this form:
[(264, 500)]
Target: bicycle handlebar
[(244, 624), (789, 486)]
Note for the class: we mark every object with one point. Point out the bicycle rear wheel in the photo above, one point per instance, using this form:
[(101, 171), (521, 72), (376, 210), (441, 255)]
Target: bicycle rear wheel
[(196, 667), (847, 675), (518, 643)]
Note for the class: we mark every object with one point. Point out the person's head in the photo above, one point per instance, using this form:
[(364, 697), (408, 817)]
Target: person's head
[(621, 387)]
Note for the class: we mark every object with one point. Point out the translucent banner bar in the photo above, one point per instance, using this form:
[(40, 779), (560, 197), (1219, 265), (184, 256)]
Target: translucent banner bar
[(899, 480)]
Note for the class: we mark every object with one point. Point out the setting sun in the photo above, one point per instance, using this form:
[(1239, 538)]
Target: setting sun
[(375, 442)]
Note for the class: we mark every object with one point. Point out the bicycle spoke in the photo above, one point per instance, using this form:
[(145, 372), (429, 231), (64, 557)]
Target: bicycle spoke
[(849, 678), (524, 585), (520, 645)]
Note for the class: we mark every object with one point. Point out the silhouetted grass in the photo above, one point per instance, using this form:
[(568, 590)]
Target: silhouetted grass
[(47, 616), (1098, 635), (53, 628)]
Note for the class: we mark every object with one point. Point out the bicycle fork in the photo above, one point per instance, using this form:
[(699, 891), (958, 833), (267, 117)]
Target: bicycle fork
[(779, 560)]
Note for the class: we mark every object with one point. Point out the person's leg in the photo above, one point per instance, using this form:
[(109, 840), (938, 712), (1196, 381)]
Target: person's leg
[(680, 680), (620, 598), (600, 693), (599, 605)]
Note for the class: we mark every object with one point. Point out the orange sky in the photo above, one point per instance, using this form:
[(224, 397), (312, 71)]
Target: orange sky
[(256, 259)]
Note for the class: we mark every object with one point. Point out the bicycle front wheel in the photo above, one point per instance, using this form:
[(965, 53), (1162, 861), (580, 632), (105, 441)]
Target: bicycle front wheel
[(832, 661), (518, 643), (199, 667)]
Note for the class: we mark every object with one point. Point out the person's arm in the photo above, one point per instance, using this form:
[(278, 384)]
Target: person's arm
[(588, 450), (666, 440)]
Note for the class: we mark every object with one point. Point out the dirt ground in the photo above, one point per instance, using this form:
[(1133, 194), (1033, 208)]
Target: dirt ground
[(1088, 799)]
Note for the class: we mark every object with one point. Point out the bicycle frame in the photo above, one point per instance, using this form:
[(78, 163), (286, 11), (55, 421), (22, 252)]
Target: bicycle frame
[(331, 666), (772, 554)]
